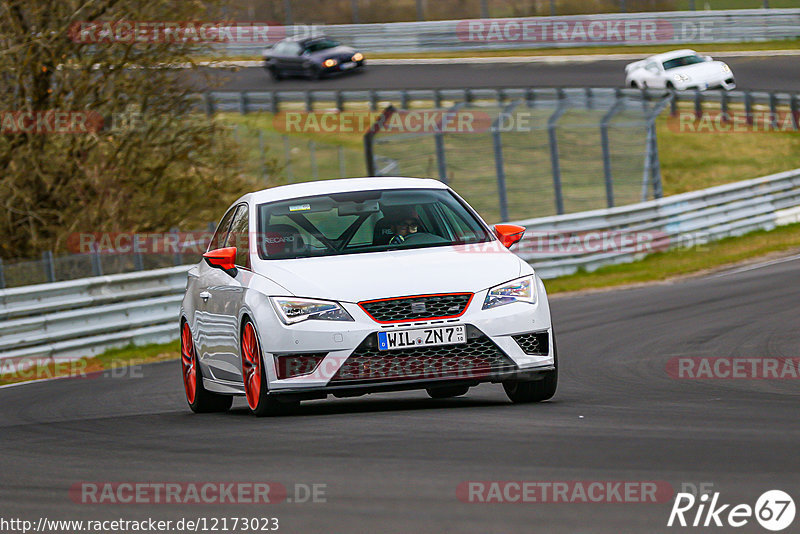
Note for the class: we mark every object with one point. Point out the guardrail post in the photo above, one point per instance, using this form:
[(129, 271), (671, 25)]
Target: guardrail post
[(589, 98), (698, 104), (243, 103), (724, 106), (403, 99), (373, 100), (673, 106), (275, 101), (339, 101), (773, 111), (437, 98), (554, 161), (795, 109), (501, 97), (468, 96), (748, 107), (209, 100), (49, 267), (309, 98), (97, 266), (530, 96), (618, 104), (2, 275), (138, 261)]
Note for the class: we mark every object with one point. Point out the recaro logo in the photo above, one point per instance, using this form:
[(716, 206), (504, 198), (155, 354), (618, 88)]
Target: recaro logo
[(774, 510)]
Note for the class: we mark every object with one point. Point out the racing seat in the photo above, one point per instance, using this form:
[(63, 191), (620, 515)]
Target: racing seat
[(281, 240), (382, 233)]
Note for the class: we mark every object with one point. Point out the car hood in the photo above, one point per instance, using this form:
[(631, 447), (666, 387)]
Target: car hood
[(358, 277), (338, 52), (699, 71)]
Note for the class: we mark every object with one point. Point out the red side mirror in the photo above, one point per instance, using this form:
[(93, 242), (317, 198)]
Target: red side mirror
[(222, 258), (508, 234)]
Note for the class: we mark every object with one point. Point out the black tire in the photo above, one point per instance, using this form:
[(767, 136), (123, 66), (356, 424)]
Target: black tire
[(447, 391), (521, 392), (275, 73), (204, 401), (261, 403), (670, 87)]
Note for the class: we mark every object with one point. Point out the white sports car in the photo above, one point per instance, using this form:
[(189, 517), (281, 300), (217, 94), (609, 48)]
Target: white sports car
[(680, 70), (362, 285)]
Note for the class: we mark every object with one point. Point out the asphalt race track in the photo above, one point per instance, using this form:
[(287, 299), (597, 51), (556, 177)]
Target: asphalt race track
[(392, 462), (778, 73)]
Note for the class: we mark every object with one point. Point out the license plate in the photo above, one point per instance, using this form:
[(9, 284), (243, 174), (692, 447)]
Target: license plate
[(348, 65), (422, 337)]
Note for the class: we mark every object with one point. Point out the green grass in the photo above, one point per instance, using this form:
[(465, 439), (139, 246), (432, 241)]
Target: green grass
[(681, 262), (112, 360)]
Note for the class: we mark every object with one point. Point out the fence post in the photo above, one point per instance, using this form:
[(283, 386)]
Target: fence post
[(2, 275), (618, 104), (287, 152), (554, 162), (138, 261), (441, 162), (484, 9), (243, 103), (49, 267), (369, 139), (342, 168), (177, 258), (209, 100), (287, 10), (354, 7), (724, 106), (262, 155), (312, 149), (499, 165), (420, 10)]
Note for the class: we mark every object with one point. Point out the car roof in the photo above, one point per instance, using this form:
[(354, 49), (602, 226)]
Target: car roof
[(303, 39), (666, 56), (343, 185)]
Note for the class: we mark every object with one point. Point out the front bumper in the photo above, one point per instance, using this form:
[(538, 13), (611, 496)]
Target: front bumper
[(725, 82), (492, 354)]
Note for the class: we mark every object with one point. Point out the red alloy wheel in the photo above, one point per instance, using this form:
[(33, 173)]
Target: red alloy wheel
[(251, 366), (188, 364)]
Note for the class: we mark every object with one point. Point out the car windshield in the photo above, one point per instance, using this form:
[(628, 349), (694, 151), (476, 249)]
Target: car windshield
[(365, 221), (321, 44), (682, 61)]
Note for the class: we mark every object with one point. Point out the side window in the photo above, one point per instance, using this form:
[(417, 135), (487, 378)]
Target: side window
[(239, 236), (652, 67), (293, 49), (218, 241)]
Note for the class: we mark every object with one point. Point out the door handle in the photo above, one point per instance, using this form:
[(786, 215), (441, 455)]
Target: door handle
[(205, 295)]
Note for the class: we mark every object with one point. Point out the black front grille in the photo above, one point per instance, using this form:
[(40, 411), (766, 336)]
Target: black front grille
[(537, 343), (476, 359), (417, 308)]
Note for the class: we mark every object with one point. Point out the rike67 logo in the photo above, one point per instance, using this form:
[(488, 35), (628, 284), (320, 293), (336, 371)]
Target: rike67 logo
[(774, 510)]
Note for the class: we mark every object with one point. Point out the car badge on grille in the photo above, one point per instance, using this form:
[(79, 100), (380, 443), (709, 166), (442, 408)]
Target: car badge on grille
[(418, 307)]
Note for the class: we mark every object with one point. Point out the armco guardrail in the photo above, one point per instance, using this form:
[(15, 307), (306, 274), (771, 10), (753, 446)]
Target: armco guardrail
[(82, 317), (561, 245), (674, 27)]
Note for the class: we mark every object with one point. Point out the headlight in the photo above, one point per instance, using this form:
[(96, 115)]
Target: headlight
[(358, 56), (725, 68), (292, 310), (519, 290), (681, 77), (330, 63)]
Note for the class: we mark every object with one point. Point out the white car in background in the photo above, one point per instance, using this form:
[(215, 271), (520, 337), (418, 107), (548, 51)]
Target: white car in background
[(680, 70), (362, 285)]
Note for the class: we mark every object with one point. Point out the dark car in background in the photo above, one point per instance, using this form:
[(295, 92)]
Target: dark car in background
[(310, 57)]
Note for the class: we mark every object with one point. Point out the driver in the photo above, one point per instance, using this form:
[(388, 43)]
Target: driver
[(403, 225)]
